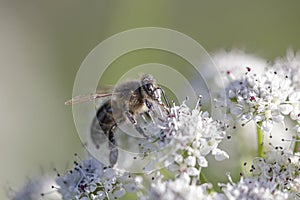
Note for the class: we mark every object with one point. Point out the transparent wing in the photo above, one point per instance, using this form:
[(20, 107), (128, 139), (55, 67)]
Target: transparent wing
[(86, 98), (102, 91)]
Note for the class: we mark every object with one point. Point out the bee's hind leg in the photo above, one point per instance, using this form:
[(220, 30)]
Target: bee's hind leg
[(114, 152)]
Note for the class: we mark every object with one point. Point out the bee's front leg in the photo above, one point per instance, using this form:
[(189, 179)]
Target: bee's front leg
[(134, 122), (152, 111), (149, 104)]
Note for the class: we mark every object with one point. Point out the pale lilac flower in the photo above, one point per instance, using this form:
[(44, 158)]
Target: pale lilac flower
[(92, 180), (36, 189)]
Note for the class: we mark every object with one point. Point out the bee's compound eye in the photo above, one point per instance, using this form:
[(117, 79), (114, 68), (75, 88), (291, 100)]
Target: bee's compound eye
[(149, 87)]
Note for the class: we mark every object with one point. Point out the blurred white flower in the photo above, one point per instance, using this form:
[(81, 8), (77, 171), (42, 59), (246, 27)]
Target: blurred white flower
[(180, 189), (233, 63), (289, 65)]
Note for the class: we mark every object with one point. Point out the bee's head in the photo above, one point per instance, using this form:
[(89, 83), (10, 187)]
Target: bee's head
[(150, 86)]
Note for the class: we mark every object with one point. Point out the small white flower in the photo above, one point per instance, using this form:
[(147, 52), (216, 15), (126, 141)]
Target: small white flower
[(192, 171), (190, 161), (202, 161), (267, 126)]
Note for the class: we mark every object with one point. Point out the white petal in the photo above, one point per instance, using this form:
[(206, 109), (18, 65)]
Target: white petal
[(202, 162), (298, 129), (231, 94), (235, 110), (109, 173), (190, 161), (257, 118), (178, 158), (119, 193), (192, 171), (219, 154), (130, 187), (295, 96), (285, 109), (185, 177), (278, 118), (267, 126)]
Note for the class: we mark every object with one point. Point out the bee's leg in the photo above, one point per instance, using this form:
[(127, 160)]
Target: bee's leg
[(144, 118), (166, 98), (114, 152), (149, 104), (131, 118), (152, 111), (134, 122)]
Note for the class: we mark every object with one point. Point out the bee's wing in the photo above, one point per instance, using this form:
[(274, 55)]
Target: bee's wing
[(86, 98)]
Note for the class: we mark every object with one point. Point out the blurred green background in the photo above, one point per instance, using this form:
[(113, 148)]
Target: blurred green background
[(42, 44)]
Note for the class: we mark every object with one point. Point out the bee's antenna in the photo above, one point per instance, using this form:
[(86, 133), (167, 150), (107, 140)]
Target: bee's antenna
[(165, 97)]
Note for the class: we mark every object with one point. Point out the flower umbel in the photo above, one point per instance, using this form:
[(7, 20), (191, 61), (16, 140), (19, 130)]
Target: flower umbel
[(264, 99), (190, 136)]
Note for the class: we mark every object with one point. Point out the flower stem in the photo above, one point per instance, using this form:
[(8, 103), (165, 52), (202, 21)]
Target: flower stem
[(260, 145), (203, 179), (297, 145)]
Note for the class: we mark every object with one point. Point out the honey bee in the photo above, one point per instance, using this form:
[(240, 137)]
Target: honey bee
[(129, 99)]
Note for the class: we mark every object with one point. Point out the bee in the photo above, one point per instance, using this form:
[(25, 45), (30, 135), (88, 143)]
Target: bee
[(128, 100)]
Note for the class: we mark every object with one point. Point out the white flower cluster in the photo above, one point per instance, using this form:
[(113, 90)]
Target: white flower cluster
[(275, 177), (290, 66), (91, 180), (191, 135), (180, 189), (281, 168), (247, 189), (265, 99)]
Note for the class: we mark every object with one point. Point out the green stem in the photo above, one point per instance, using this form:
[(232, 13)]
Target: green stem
[(260, 145), (203, 179), (297, 145)]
